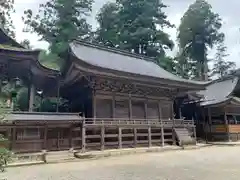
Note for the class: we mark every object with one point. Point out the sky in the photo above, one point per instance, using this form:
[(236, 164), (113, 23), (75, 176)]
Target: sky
[(228, 10)]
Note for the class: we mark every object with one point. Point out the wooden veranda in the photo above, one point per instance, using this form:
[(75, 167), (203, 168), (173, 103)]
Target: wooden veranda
[(86, 134)]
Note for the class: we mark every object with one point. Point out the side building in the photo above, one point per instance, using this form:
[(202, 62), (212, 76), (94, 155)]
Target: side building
[(220, 119)]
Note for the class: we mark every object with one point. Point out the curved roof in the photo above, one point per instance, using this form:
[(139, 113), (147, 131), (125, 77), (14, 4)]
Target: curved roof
[(122, 61), (4, 38), (219, 91)]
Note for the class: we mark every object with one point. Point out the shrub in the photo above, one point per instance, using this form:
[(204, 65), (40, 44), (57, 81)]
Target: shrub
[(5, 154)]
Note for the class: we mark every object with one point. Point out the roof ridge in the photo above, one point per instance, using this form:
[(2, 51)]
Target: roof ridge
[(116, 50)]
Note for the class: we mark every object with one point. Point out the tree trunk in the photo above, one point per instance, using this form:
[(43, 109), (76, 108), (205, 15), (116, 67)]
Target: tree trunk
[(205, 71)]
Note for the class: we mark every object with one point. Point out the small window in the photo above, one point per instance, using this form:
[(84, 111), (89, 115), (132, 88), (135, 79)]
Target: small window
[(29, 133)]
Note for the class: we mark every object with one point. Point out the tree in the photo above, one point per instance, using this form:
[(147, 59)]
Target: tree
[(221, 67), (59, 22), (184, 66), (199, 30), (107, 33), (136, 26), (6, 8), (168, 63)]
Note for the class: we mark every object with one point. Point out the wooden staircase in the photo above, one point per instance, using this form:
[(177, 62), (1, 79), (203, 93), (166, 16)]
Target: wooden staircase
[(183, 136)]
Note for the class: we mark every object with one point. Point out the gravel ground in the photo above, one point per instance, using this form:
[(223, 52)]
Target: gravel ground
[(220, 163)]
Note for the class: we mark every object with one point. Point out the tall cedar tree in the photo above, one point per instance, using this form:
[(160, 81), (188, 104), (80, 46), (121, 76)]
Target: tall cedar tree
[(199, 30), (59, 22), (6, 8), (221, 67), (136, 26)]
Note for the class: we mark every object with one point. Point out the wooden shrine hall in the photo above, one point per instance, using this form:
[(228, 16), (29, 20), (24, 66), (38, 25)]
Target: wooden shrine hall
[(116, 99), (221, 109)]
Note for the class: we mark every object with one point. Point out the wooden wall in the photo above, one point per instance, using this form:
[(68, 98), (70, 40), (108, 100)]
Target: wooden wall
[(113, 105)]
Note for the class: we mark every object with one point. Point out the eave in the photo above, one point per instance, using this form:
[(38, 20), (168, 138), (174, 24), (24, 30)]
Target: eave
[(148, 80)]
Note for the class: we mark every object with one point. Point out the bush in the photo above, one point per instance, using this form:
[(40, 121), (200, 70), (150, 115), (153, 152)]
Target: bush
[(5, 154)]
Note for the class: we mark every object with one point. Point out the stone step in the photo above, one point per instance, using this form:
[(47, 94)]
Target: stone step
[(59, 156)]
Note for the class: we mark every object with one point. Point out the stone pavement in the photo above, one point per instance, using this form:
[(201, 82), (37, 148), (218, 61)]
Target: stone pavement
[(221, 163)]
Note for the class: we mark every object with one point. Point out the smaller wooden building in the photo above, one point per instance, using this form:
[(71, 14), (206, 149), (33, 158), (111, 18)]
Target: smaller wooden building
[(221, 109), (33, 132)]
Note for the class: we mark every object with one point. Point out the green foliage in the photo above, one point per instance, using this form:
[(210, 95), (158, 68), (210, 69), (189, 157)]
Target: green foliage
[(59, 22), (168, 63), (198, 31), (107, 33), (6, 8), (221, 67), (50, 104), (136, 26), (5, 154)]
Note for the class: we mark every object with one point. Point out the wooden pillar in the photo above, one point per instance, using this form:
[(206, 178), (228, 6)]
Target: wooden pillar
[(130, 107), (31, 98), (113, 106), (209, 121), (9, 134), (135, 136), (173, 124), (145, 109), (70, 137), (225, 116), (45, 137), (119, 137), (162, 127), (149, 136), (226, 123), (13, 138), (83, 136), (194, 130), (102, 137), (58, 94), (94, 105), (58, 137)]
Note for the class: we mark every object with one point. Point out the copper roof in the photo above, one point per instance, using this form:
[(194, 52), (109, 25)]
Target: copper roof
[(219, 91), (123, 61)]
